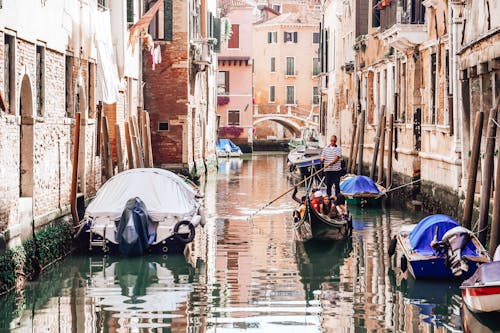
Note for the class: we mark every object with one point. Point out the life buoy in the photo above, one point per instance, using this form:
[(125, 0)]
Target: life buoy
[(392, 247), (180, 237), (404, 263)]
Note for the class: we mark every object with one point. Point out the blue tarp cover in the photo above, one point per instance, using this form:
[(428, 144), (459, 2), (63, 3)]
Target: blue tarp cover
[(221, 145), (423, 234), (358, 184)]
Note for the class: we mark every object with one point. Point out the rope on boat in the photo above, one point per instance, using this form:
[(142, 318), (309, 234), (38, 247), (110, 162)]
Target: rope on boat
[(287, 191), (401, 186)]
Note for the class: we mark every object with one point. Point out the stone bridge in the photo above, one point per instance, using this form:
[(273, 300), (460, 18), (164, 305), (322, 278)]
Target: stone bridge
[(292, 121)]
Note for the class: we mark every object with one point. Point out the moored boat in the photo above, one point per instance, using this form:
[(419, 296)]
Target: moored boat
[(481, 292), (226, 148), (361, 191), (438, 248), (143, 210), (303, 159)]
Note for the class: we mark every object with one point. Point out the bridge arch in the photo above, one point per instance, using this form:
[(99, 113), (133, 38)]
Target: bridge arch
[(290, 125)]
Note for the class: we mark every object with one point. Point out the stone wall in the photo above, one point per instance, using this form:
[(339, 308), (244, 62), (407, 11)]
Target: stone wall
[(48, 150)]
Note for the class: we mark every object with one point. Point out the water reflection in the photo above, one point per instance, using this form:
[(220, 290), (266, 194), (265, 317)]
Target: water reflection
[(247, 274)]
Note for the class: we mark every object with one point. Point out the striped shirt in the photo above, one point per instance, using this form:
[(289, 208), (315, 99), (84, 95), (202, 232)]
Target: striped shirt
[(329, 153)]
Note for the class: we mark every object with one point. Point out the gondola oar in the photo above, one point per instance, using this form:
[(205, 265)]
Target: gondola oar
[(287, 191)]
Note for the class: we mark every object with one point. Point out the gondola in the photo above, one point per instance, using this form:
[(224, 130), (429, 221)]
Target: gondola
[(314, 225)]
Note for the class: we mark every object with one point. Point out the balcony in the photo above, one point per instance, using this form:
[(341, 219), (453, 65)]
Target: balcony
[(404, 27), (202, 51)]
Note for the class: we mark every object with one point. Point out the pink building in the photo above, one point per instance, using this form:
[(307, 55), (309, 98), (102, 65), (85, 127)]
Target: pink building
[(234, 78), (286, 65)]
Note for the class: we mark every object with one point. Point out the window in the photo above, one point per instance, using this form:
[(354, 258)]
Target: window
[(222, 83), (273, 64), (315, 98), (161, 26), (316, 66), (234, 41), (290, 66), (69, 86), (102, 4), (290, 95), (375, 14), (163, 126), (130, 13), (272, 37), (9, 73), (290, 37), (233, 117), (433, 89), (315, 37), (40, 79), (276, 7), (272, 94)]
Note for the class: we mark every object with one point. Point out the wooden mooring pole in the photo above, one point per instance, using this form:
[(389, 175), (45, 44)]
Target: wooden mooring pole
[(353, 138), (361, 142), (381, 154), (128, 144), (474, 160), (119, 150), (377, 143), (74, 170), (352, 169), (390, 138), (108, 163), (484, 205)]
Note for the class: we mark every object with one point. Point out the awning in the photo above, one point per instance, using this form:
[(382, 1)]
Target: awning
[(142, 24)]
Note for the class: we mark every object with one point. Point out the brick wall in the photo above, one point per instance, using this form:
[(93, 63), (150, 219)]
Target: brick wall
[(165, 97), (52, 139)]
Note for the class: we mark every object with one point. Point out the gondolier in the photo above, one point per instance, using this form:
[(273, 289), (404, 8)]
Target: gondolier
[(332, 154)]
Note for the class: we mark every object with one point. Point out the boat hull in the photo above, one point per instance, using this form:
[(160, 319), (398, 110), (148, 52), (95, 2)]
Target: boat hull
[(427, 266), (314, 226), (482, 298), (364, 201)]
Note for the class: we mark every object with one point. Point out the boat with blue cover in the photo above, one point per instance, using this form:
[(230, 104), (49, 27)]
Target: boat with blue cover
[(438, 248), (361, 191), (226, 148)]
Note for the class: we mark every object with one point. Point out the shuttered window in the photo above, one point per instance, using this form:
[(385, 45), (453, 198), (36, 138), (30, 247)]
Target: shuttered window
[(233, 118), (290, 95), (167, 20), (130, 13), (272, 94), (234, 42), (290, 66), (273, 64), (217, 27)]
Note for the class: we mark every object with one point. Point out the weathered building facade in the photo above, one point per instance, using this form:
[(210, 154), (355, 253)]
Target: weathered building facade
[(428, 65), (180, 92), (50, 70), (286, 65), (234, 77)]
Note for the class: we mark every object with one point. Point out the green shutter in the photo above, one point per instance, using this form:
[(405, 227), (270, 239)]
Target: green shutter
[(217, 34), (130, 12), (168, 20)]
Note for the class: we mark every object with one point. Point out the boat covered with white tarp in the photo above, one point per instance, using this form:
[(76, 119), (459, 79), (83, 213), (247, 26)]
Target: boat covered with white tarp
[(139, 210)]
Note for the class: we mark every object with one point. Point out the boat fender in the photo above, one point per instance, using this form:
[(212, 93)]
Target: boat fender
[(196, 220), (392, 246), (404, 263), (180, 237)]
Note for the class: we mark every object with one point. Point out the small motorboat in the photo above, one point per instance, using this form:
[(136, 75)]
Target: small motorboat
[(481, 292), (143, 210), (226, 148), (361, 191), (303, 160), (438, 248), (314, 225)]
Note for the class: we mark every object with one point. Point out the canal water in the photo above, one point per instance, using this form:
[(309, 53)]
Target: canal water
[(246, 274)]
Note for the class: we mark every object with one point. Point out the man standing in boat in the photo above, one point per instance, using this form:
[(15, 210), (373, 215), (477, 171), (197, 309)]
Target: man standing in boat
[(331, 156)]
